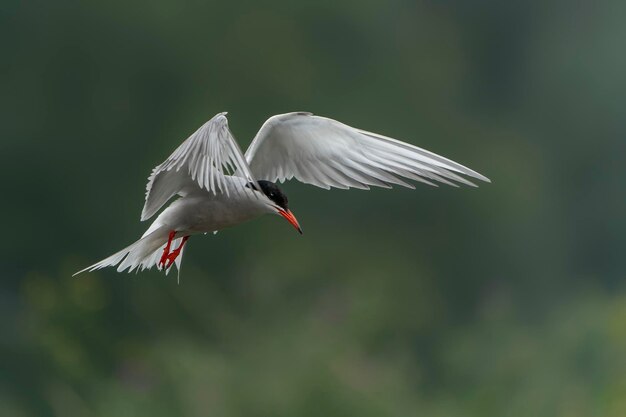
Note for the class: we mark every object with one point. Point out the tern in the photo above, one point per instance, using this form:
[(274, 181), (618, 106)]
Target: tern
[(218, 186)]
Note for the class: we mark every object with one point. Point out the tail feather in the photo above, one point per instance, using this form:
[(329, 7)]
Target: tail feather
[(155, 257), (143, 254)]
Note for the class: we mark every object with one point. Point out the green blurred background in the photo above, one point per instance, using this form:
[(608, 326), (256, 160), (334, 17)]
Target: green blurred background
[(506, 300)]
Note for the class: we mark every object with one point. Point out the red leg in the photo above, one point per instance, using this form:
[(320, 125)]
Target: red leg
[(166, 251), (174, 254)]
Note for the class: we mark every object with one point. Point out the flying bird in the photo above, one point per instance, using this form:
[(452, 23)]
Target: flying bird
[(219, 186)]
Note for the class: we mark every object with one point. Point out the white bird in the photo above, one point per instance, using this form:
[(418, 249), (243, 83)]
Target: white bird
[(218, 186)]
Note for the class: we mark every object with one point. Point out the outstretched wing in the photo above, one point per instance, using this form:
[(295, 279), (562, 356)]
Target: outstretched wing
[(326, 153), (203, 160)]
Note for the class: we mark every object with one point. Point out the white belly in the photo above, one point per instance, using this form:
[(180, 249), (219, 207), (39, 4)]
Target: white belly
[(201, 215), (202, 212)]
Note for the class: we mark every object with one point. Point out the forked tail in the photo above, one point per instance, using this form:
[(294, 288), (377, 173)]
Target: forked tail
[(145, 253)]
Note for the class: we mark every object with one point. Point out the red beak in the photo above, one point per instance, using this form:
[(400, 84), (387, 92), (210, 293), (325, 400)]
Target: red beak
[(287, 214)]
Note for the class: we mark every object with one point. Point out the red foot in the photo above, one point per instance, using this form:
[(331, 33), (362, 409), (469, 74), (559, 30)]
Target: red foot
[(166, 251), (171, 256)]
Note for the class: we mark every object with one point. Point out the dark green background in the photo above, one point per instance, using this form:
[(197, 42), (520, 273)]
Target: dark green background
[(506, 300)]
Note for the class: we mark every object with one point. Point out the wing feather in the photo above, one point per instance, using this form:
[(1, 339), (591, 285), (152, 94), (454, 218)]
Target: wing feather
[(326, 153), (202, 161)]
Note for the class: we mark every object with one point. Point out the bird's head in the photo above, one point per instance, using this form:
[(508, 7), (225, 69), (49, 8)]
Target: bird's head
[(279, 201)]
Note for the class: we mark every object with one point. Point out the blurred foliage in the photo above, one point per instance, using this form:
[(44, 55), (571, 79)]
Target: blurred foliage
[(507, 300)]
